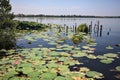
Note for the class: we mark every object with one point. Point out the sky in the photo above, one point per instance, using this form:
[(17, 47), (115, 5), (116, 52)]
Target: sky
[(67, 7)]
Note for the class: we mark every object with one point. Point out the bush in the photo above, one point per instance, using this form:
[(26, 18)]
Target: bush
[(82, 28), (30, 25), (77, 38)]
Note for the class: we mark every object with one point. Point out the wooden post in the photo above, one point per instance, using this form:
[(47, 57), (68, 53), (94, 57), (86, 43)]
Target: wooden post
[(66, 29), (101, 30), (91, 23), (75, 27)]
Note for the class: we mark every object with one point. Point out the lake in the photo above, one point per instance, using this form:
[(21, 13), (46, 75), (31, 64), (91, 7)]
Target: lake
[(106, 37)]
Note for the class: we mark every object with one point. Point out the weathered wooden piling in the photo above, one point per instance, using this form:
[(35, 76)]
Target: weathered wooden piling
[(101, 30), (75, 27), (66, 29)]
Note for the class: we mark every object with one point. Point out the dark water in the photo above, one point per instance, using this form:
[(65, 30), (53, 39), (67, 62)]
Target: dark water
[(109, 36)]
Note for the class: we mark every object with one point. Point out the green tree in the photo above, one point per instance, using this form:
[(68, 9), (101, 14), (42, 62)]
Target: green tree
[(7, 26), (5, 15)]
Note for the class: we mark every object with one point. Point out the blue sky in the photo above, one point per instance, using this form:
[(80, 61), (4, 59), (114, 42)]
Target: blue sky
[(67, 7)]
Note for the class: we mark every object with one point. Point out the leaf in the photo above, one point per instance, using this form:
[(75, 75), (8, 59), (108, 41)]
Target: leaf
[(106, 61), (76, 74), (91, 56), (52, 43), (14, 78), (85, 47), (9, 74), (101, 57), (33, 74), (111, 55), (48, 76), (118, 68), (94, 74), (109, 47), (60, 78), (84, 69), (67, 49)]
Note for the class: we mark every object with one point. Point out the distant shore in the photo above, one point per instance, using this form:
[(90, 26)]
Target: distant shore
[(66, 16)]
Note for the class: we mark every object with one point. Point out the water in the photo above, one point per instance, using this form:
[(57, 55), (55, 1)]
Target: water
[(109, 36)]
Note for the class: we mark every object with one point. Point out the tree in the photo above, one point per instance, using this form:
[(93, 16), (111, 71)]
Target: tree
[(5, 15), (7, 26)]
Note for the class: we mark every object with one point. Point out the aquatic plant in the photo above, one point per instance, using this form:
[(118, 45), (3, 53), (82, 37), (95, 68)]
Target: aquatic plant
[(82, 28), (77, 38), (94, 74), (117, 68)]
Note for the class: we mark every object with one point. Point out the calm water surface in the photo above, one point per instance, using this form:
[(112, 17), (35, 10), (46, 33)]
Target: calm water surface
[(110, 36)]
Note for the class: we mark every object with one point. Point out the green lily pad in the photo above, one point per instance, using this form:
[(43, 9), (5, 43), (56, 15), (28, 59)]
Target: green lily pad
[(52, 43), (52, 49), (111, 55), (60, 78), (94, 74), (84, 69), (33, 74), (52, 65), (118, 68), (9, 74), (14, 78), (106, 61), (109, 47), (80, 54), (91, 56), (101, 57), (48, 76), (67, 49), (76, 74), (85, 47)]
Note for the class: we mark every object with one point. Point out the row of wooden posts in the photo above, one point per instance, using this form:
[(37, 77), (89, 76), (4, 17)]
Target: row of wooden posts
[(95, 28)]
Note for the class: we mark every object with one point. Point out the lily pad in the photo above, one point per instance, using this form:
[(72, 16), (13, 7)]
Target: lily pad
[(109, 47), (85, 47), (91, 56), (48, 76), (60, 78), (84, 69), (118, 68), (106, 61), (52, 43), (111, 55), (94, 74)]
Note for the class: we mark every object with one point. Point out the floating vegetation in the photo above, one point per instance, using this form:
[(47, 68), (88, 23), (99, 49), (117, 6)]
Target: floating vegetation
[(94, 74), (77, 38), (109, 47), (118, 68), (106, 61), (54, 61), (111, 55)]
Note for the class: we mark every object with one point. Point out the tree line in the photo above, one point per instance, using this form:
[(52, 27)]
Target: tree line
[(74, 16)]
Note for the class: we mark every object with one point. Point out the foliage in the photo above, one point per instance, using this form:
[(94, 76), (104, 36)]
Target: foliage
[(118, 68), (5, 15), (82, 28), (77, 38), (94, 74), (24, 25)]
